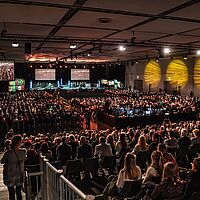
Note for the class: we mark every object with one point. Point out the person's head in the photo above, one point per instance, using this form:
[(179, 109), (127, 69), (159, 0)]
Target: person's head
[(196, 164), (172, 134), (196, 133), (110, 139), (162, 148), (102, 140), (155, 137), (71, 138), (64, 139), (142, 142), (82, 139), (157, 161), (170, 172), (27, 144), (184, 132), (16, 141), (130, 167)]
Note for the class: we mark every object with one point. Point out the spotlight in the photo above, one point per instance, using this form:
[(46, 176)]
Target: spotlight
[(198, 52), (93, 67), (166, 50), (185, 57), (72, 46), (136, 62), (137, 77), (122, 48), (15, 44), (40, 66), (157, 59), (75, 66)]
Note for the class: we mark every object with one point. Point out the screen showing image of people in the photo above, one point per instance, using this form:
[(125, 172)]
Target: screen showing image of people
[(80, 74), (45, 74), (7, 70)]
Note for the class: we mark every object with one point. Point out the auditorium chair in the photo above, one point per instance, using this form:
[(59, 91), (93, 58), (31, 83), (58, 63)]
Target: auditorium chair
[(130, 189), (109, 163), (91, 165), (73, 169), (141, 159)]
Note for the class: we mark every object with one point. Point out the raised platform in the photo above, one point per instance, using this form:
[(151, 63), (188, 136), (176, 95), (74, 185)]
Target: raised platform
[(142, 121)]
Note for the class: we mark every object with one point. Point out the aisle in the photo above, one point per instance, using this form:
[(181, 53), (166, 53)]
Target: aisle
[(3, 188)]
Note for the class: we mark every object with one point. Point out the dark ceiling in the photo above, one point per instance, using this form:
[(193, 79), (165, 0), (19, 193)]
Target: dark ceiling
[(143, 26)]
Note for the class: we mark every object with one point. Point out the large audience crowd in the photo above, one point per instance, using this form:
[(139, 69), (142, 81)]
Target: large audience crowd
[(153, 156), (126, 103)]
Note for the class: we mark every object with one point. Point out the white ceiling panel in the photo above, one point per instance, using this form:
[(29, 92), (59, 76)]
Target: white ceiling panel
[(142, 6), (22, 29), (91, 19), (21, 13), (192, 12), (81, 32), (167, 26), (179, 39)]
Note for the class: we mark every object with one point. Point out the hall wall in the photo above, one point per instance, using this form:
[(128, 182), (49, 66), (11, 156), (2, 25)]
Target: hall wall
[(136, 72)]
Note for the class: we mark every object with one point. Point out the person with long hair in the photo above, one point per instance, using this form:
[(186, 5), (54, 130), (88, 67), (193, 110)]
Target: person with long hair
[(130, 171), (121, 144), (13, 161), (193, 178), (170, 186), (141, 145), (156, 167)]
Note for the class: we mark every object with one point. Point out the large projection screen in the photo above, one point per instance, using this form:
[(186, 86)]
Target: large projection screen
[(7, 70), (80, 74), (45, 74)]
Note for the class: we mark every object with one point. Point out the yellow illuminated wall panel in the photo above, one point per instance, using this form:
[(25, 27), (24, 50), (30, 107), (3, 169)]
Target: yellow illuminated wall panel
[(197, 73), (177, 73), (152, 74)]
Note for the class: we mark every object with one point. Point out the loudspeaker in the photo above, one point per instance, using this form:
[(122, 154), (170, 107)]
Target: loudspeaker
[(27, 48)]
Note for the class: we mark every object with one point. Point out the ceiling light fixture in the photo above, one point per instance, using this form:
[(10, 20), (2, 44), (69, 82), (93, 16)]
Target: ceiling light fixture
[(15, 44), (72, 46), (157, 59), (136, 61), (198, 52), (185, 57), (122, 48), (166, 50)]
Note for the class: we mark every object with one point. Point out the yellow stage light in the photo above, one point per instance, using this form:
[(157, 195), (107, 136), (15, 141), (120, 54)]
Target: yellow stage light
[(152, 74), (177, 73), (197, 73)]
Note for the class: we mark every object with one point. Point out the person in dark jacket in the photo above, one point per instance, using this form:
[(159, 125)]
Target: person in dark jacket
[(84, 150), (193, 178), (64, 151)]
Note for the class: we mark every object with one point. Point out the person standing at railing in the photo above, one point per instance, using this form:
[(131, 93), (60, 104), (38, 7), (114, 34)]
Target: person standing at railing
[(13, 173)]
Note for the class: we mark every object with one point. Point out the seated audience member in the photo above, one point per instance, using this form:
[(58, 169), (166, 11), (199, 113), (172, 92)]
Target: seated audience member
[(193, 179), (170, 186), (74, 144), (141, 145), (196, 138), (121, 144), (84, 150), (156, 167), (167, 157), (103, 149), (110, 140), (155, 141), (172, 141), (64, 151), (130, 172)]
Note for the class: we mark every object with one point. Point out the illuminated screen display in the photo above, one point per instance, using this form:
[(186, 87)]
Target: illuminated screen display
[(45, 74), (16, 85), (80, 74), (6, 70)]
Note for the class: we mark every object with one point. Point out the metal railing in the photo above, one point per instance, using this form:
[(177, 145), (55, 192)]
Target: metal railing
[(54, 186)]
